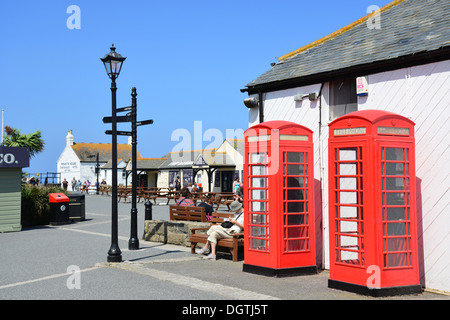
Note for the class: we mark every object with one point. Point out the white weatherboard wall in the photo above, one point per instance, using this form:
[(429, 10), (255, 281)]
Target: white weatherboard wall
[(421, 93)]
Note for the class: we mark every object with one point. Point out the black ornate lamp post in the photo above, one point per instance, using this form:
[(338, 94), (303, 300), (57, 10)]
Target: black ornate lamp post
[(113, 64)]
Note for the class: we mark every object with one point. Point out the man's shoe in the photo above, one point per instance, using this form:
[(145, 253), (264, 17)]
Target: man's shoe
[(203, 251)]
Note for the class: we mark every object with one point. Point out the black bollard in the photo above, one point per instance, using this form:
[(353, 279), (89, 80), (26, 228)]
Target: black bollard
[(148, 210)]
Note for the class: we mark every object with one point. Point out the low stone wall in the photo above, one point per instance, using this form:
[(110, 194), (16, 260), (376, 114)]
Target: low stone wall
[(172, 232)]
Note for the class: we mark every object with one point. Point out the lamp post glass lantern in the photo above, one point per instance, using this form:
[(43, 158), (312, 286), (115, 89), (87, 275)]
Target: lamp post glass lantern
[(113, 65)]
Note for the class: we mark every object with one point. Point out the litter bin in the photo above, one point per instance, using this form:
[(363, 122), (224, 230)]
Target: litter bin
[(77, 205), (59, 208)]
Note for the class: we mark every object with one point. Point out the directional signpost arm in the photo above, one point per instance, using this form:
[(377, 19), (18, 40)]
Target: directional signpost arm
[(133, 243)]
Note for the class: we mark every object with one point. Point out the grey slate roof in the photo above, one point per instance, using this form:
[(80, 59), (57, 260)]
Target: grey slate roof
[(185, 159), (407, 28), (150, 163)]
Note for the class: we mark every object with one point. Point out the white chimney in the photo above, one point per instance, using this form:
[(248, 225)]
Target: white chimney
[(69, 139)]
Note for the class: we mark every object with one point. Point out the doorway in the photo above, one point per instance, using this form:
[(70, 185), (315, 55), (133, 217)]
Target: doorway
[(227, 181)]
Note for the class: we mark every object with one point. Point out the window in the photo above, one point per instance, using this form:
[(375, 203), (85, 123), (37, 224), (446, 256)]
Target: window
[(343, 97), (172, 176), (188, 177)]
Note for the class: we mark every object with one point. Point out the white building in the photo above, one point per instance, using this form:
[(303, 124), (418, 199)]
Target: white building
[(402, 56), (78, 160)]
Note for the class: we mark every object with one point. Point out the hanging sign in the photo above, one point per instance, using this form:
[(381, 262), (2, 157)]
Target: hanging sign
[(14, 157)]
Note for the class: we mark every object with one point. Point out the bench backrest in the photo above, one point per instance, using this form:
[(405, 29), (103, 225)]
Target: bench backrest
[(219, 217), (188, 213)]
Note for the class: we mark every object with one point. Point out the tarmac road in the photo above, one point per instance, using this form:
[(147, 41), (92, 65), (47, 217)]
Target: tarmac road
[(43, 263)]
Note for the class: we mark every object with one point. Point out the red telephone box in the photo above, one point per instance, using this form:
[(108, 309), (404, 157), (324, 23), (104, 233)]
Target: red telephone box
[(279, 204), (372, 210)]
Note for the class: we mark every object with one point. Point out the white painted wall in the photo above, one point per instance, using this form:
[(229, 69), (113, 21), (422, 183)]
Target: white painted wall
[(420, 93), (68, 165)]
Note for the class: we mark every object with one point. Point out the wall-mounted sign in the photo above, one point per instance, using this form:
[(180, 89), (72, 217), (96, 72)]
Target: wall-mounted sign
[(362, 86), (14, 157), (68, 166)]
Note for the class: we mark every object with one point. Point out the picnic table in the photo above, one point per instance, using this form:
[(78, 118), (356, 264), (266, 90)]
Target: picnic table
[(224, 198), (203, 196)]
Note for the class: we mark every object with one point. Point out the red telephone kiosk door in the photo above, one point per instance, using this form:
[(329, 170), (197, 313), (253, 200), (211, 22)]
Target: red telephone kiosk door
[(278, 192), (372, 211)]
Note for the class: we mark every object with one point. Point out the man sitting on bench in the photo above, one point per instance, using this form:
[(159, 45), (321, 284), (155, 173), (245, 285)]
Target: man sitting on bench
[(217, 232), (185, 200)]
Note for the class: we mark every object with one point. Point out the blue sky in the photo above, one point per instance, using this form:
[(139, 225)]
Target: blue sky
[(187, 59)]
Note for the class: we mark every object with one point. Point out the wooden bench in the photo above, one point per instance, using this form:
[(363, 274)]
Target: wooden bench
[(188, 213), (233, 244)]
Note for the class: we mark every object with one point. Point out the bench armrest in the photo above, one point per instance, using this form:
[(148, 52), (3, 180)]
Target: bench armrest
[(195, 229), (238, 235)]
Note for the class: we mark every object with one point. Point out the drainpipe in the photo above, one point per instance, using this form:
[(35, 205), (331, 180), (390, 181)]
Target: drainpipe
[(261, 107), (320, 108), (321, 166)]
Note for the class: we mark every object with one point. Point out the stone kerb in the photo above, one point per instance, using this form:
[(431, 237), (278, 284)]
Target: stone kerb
[(171, 232)]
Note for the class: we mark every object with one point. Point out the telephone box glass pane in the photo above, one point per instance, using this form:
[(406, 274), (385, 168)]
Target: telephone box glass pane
[(295, 170), (294, 157), (295, 182), (395, 169), (348, 212), (395, 207), (258, 206), (258, 195), (258, 244), (258, 182), (295, 219), (347, 154), (395, 214), (295, 207), (258, 219), (258, 170), (395, 184), (257, 158), (348, 183), (348, 197), (259, 231)]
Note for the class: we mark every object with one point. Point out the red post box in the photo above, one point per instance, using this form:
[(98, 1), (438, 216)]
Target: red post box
[(372, 210), (278, 199)]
